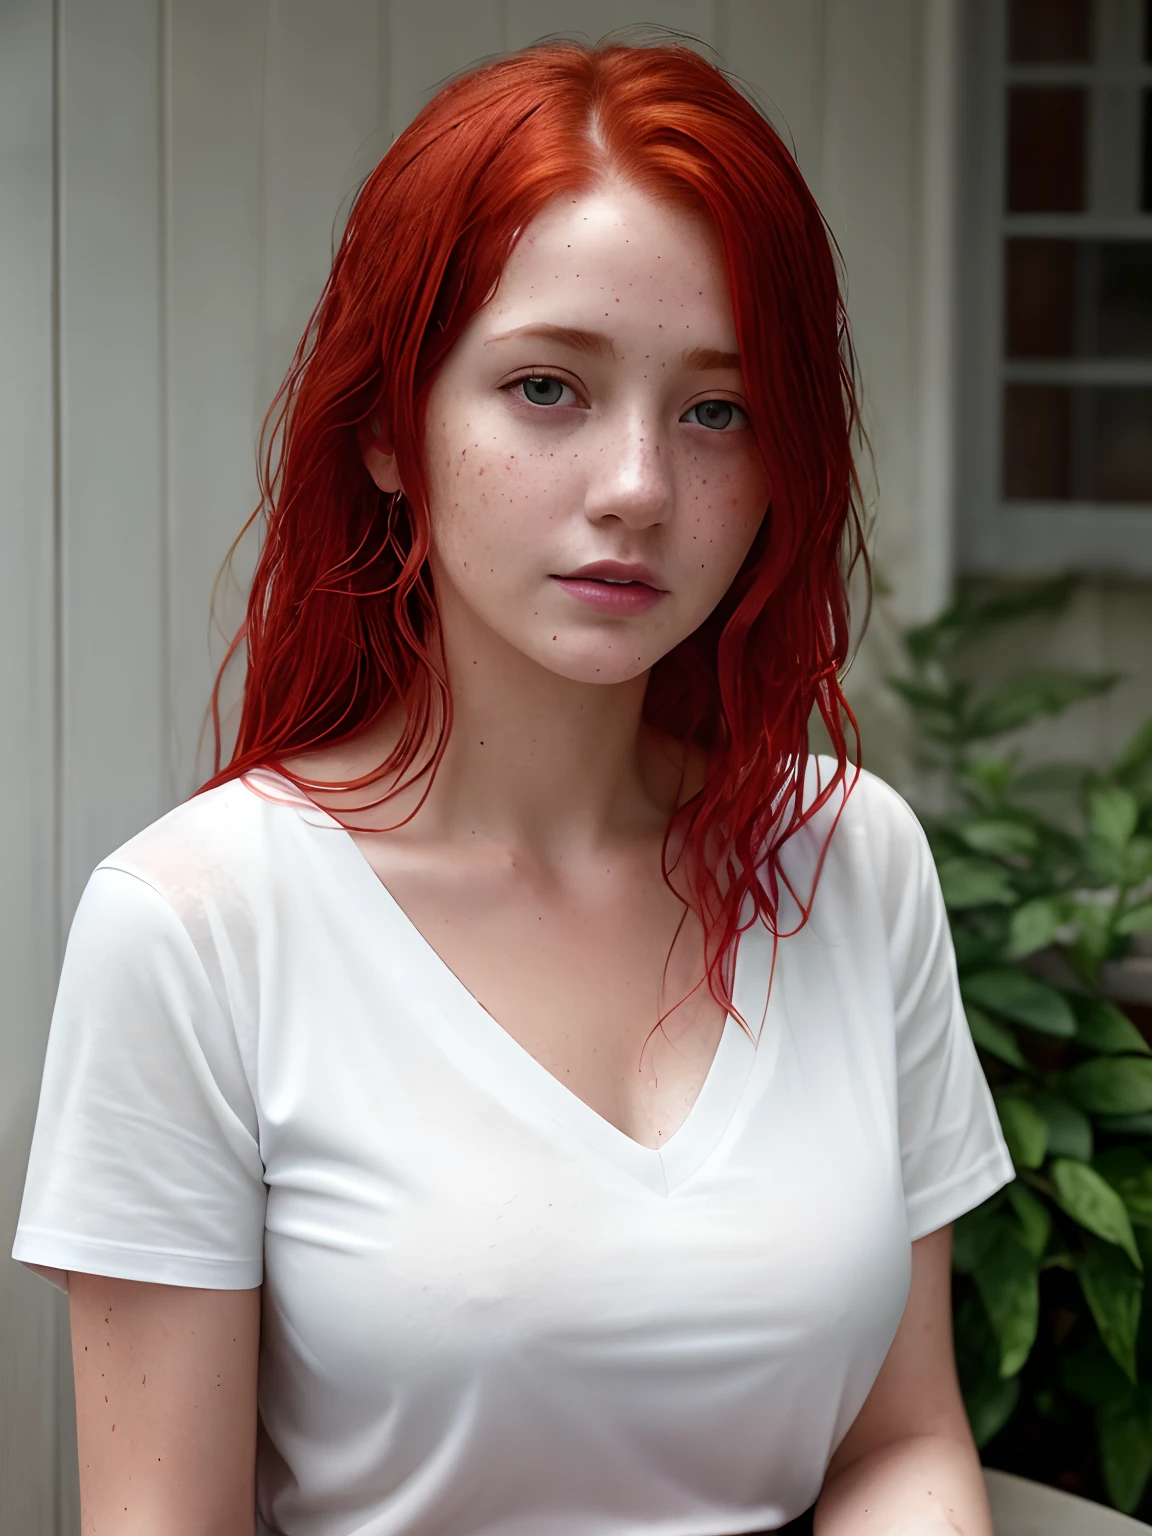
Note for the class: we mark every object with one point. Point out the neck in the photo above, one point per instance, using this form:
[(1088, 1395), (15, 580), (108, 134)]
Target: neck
[(536, 762)]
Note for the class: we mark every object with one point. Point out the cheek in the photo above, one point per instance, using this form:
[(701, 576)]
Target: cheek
[(729, 505), (460, 477), (749, 492), (484, 505)]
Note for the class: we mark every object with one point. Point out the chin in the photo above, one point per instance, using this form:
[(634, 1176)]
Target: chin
[(608, 666)]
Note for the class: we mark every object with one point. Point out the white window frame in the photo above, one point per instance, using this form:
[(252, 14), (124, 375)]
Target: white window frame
[(1034, 538)]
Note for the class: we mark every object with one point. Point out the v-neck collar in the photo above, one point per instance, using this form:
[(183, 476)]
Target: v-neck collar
[(476, 1039)]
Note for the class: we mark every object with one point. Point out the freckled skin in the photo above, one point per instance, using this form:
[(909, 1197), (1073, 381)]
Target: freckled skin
[(621, 466)]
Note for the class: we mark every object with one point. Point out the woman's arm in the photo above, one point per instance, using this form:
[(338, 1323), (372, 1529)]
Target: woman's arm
[(909, 1466), (165, 1407)]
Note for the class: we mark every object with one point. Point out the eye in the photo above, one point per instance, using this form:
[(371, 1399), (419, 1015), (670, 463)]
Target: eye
[(718, 415), (542, 389)]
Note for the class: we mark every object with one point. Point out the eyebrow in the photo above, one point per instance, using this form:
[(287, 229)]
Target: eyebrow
[(700, 359)]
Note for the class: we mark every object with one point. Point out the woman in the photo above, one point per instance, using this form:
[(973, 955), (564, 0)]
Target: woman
[(523, 1092)]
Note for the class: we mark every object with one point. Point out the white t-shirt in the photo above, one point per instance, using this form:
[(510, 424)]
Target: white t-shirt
[(487, 1311)]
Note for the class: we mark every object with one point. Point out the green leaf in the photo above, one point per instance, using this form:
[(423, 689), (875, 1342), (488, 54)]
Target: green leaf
[(1137, 754), (1138, 861), (974, 883), (992, 603), (1034, 1218), (1093, 929), (1092, 1374), (1007, 1281), (997, 836), (1025, 1131), (1034, 925), (1120, 1163), (1136, 919), (1112, 1085), (972, 1236), (938, 711), (982, 605), (1130, 1174), (989, 775), (1126, 1125), (1022, 999), (1107, 866), (1113, 1291), (1101, 1026), (1112, 816), (923, 695), (1125, 1432), (1069, 1129), (989, 1405), (1020, 699), (997, 1039), (1051, 779), (1092, 1202), (979, 938), (979, 608)]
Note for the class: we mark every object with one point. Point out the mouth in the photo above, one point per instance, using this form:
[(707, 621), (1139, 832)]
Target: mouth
[(615, 573), (612, 589)]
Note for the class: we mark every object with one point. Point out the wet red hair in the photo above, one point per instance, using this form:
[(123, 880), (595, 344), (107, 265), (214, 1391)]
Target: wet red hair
[(341, 617)]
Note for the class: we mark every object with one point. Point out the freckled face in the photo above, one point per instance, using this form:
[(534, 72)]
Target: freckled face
[(626, 439)]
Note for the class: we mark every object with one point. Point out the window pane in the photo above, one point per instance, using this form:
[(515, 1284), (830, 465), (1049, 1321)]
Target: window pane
[(1120, 467), (1040, 298), (1090, 443), (1078, 298), (1046, 149), (1146, 154), (1037, 466), (1049, 31), (1119, 279)]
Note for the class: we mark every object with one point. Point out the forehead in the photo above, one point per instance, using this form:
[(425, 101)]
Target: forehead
[(616, 259)]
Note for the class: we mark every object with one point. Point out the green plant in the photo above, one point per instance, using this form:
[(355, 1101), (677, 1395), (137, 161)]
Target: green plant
[(1047, 875)]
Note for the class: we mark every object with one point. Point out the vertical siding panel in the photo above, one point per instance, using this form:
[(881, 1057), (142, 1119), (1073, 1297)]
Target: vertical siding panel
[(430, 41), (215, 403), (322, 134), (936, 313), (532, 19), (29, 917), (113, 695), (384, 73), (1126, 621), (871, 196), (777, 46)]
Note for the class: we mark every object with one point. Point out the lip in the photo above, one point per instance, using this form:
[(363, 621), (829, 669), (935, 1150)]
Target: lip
[(614, 570), (613, 587)]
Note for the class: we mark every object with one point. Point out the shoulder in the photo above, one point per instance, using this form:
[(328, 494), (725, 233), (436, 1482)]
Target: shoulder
[(861, 840), (216, 849), (863, 814)]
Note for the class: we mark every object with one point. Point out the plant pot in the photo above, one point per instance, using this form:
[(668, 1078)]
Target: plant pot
[(1024, 1508)]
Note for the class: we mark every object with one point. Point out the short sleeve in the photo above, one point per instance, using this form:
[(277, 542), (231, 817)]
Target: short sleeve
[(953, 1151), (145, 1160)]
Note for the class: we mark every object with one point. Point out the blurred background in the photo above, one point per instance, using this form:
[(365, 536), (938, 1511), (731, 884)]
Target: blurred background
[(172, 176)]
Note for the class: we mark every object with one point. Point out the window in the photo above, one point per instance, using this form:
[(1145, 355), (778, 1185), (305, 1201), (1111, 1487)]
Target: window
[(1055, 462)]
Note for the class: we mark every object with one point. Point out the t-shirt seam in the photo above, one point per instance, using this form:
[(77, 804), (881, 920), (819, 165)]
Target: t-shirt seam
[(942, 1186), (64, 1238), (134, 874)]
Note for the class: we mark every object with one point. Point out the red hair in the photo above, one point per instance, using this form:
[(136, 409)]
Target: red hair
[(341, 619)]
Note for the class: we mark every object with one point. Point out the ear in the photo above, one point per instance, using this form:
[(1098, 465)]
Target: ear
[(379, 460)]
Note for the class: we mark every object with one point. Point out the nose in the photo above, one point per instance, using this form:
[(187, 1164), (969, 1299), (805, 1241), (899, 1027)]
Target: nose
[(632, 480)]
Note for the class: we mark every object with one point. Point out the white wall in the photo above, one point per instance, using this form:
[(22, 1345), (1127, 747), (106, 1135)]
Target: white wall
[(170, 172)]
